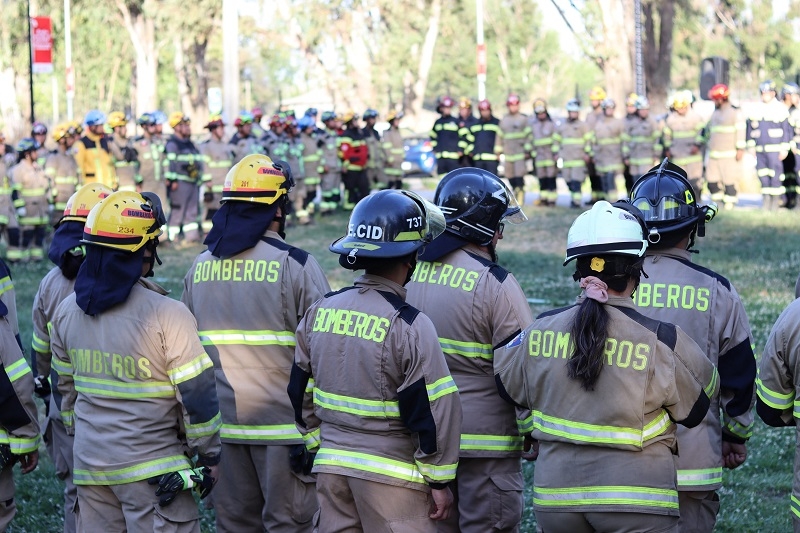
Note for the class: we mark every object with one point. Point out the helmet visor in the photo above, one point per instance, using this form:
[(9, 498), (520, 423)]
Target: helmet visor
[(514, 213), (666, 209), (434, 218)]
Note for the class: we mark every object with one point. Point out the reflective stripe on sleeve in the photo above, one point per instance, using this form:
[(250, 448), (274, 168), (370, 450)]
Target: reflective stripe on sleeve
[(190, 370), (712, 384), (356, 406), (369, 463), (6, 284), (744, 432), (270, 432), (441, 387), (438, 473), (248, 337), (776, 400), (606, 495), (496, 443), (40, 345), (121, 389), (61, 367), (132, 473), (204, 429), (700, 477), (312, 439), (68, 418), (525, 425), (795, 506), (20, 445), (466, 349), (17, 369)]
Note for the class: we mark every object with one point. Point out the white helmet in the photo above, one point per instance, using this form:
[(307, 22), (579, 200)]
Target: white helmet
[(606, 230)]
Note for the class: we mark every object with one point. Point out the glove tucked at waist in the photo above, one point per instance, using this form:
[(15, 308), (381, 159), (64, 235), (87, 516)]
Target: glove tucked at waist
[(170, 484)]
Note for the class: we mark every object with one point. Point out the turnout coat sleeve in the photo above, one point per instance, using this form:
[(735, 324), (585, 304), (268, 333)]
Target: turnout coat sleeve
[(776, 382), (19, 426)]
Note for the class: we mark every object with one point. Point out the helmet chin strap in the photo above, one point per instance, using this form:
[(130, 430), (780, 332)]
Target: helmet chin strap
[(153, 258)]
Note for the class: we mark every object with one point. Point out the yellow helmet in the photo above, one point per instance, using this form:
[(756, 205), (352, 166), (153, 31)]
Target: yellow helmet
[(117, 119), (630, 101), (393, 114), (83, 200), (177, 118), (464, 103), (61, 131), (539, 106), (682, 99), (597, 93), (258, 179), (125, 220), (348, 116), (76, 127)]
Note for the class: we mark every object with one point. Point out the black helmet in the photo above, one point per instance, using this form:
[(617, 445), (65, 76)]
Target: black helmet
[(388, 224), (669, 207), (474, 201)]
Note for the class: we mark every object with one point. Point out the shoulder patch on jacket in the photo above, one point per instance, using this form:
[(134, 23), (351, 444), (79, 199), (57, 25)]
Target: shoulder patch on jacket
[(555, 311), (407, 311), (496, 270), (299, 255), (707, 271), (667, 333)]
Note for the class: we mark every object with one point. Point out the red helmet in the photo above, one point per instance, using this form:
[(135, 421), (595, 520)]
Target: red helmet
[(257, 112), (484, 104), (446, 101), (719, 91), (513, 99)]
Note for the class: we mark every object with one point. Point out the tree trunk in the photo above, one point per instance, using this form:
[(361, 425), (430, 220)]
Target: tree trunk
[(426, 58), (142, 32), (658, 52), (617, 65)]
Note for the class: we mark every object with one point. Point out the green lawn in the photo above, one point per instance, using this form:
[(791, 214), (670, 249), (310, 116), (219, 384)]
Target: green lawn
[(758, 252)]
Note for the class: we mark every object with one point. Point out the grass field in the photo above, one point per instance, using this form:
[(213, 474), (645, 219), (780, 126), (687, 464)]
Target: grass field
[(759, 252)]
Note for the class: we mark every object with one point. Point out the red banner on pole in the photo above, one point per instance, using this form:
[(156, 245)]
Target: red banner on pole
[(42, 45)]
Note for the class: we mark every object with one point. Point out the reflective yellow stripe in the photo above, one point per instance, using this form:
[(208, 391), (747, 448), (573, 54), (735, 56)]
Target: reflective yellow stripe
[(356, 406), (17, 369), (248, 337), (699, 477), (502, 443), (132, 473), (583, 432), (606, 495), (121, 389), (204, 429), (517, 135), (190, 370), (722, 154), (312, 439), (68, 418), (795, 506), (525, 425), (39, 344), (369, 463), (61, 367), (268, 432), (722, 129), (438, 473), (441, 387), (20, 445), (34, 192), (744, 432), (712, 384), (466, 349)]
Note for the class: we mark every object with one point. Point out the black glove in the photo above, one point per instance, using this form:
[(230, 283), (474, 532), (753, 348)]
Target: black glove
[(300, 459), (170, 484), (41, 387), (208, 197), (7, 459), (203, 481), (131, 155)]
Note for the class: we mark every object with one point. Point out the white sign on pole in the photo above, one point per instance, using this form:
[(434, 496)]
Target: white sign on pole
[(215, 100)]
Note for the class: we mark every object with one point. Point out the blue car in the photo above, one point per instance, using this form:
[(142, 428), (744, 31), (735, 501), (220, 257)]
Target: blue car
[(419, 159)]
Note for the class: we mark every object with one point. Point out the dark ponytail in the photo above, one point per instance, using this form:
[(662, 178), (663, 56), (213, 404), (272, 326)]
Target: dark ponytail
[(589, 329)]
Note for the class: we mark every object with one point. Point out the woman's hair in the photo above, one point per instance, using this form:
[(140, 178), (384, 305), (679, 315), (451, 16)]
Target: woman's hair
[(589, 329)]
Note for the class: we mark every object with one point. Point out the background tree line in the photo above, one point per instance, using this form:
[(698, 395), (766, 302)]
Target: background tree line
[(144, 54)]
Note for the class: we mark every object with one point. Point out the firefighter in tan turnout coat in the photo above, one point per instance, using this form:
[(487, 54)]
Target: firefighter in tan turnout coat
[(248, 292), (707, 307), (609, 468), (370, 387), (477, 306)]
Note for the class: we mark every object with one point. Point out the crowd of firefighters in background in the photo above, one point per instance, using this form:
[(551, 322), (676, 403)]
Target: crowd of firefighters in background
[(338, 164)]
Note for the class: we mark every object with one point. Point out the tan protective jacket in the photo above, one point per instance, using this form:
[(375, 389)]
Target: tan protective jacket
[(725, 132), (610, 449), (138, 389), (312, 153), (151, 157), (477, 306), (707, 307), (53, 288), (609, 144), (247, 309), (395, 152), (34, 193), (371, 388), (644, 144), (62, 170), (544, 141), (128, 176), (218, 157), (681, 134), (515, 141), (778, 386), (574, 142)]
